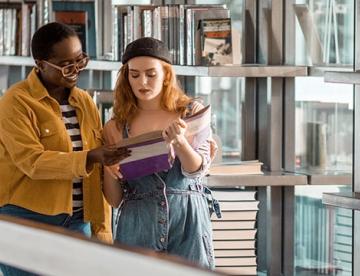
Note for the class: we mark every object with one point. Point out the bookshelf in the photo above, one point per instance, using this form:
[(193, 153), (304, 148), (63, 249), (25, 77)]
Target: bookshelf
[(279, 179), (252, 71), (267, 179)]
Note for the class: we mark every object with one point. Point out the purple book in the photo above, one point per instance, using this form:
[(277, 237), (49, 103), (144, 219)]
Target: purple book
[(150, 153)]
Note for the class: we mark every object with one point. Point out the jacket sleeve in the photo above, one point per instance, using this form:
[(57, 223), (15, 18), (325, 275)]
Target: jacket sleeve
[(21, 138), (103, 231)]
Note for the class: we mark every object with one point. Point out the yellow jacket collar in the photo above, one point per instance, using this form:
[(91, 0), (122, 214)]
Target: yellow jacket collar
[(38, 90)]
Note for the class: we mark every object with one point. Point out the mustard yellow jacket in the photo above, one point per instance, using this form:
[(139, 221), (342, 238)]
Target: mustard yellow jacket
[(37, 163)]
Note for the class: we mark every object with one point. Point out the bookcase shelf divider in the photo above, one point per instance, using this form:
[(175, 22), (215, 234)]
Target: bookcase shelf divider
[(200, 71)]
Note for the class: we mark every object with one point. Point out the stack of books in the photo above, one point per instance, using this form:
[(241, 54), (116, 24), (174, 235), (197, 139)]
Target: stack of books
[(234, 234), (236, 168)]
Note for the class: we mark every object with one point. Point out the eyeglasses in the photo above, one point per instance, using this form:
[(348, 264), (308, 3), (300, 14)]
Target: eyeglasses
[(72, 68)]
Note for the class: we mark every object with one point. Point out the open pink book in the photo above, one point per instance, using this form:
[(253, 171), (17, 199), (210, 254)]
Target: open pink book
[(150, 152)]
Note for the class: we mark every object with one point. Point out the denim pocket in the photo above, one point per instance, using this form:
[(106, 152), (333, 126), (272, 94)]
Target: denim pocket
[(209, 250)]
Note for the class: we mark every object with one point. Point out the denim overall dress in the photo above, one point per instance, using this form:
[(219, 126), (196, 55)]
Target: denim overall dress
[(168, 212)]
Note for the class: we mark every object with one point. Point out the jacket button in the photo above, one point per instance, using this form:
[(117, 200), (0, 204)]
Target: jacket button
[(162, 239), (162, 203)]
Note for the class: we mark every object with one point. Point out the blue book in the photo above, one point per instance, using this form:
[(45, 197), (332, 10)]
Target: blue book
[(89, 8)]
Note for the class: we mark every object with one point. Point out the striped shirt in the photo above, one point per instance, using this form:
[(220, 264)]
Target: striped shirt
[(73, 129)]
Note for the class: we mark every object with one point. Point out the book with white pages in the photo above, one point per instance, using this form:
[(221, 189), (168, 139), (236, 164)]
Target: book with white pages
[(236, 168), (150, 153), (234, 195)]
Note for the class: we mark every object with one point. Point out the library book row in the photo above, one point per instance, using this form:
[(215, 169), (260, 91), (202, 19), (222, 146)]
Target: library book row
[(194, 34)]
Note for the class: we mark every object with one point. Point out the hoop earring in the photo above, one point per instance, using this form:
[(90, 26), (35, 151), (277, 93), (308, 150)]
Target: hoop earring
[(37, 69)]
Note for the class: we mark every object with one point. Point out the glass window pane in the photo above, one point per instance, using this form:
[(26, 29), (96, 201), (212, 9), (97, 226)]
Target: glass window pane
[(323, 235), (323, 124), (225, 96), (324, 32)]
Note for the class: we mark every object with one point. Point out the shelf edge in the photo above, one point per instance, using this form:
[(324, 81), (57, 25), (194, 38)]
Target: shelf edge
[(342, 200)]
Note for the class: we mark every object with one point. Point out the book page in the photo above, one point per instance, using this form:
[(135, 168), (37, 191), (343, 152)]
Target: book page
[(198, 127)]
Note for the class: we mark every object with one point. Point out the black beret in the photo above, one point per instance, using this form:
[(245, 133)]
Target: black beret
[(146, 46)]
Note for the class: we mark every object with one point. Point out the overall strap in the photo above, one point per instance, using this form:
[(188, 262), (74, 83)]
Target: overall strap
[(125, 131)]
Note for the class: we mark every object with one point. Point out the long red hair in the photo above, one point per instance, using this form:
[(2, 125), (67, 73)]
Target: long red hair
[(173, 98)]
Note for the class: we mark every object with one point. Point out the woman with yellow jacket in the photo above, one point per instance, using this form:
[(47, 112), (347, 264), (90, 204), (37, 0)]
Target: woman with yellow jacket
[(50, 142)]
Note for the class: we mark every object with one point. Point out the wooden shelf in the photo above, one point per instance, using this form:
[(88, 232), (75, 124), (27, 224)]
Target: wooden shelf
[(280, 179), (267, 179), (28, 61), (342, 200), (330, 179), (324, 177), (320, 71), (242, 71), (342, 77), (16, 61), (201, 71)]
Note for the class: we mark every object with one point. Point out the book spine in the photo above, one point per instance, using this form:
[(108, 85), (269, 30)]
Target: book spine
[(106, 26), (137, 28), (147, 23), (2, 32), (188, 37), (115, 34), (164, 20), (157, 23), (130, 26), (12, 17), (181, 43)]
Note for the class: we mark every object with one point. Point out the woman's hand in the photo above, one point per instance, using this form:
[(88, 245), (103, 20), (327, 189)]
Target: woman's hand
[(114, 171), (107, 155), (175, 133)]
